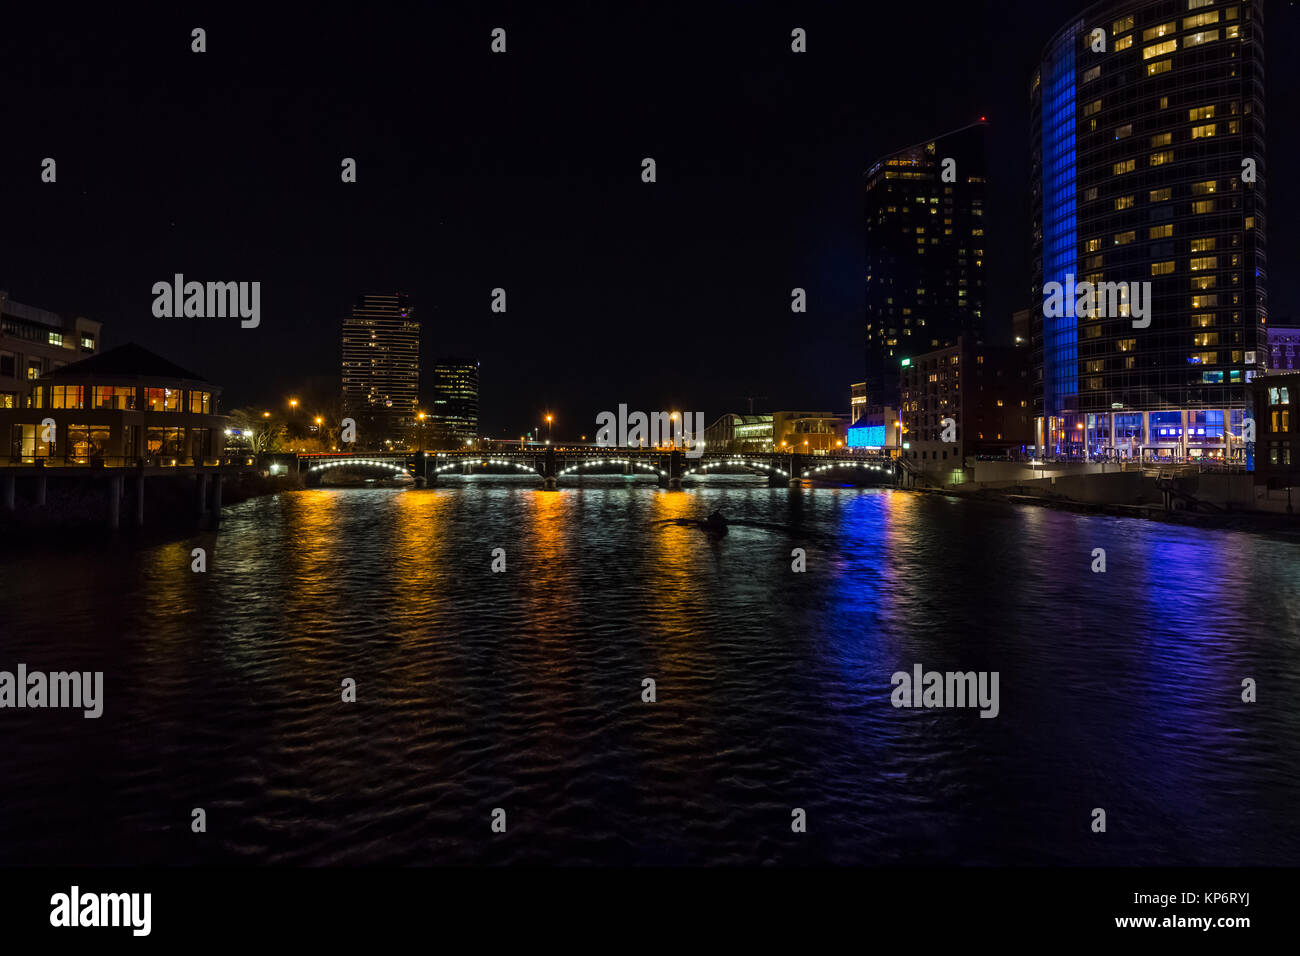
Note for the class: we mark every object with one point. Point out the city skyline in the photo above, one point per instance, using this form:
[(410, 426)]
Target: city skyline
[(712, 248)]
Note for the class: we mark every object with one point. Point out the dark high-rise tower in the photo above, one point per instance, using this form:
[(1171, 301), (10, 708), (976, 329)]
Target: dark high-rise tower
[(453, 409), (381, 370), (925, 253), (1139, 176)]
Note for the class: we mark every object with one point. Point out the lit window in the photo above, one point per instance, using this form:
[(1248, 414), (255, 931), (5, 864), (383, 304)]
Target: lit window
[(1123, 43), (1204, 301), (1205, 188), (1126, 345), (1124, 238), (1203, 132), (1250, 222), (1203, 206), (1161, 139), (1159, 49), (1203, 282), (1124, 202), (1203, 245), (1200, 113), (1161, 232), (1092, 74), (1162, 157), (1201, 263), (1155, 33), (1159, 66), (1093, 107), (1127, 166), (1160, 195), (1093, 245), (1162, 268), (56, 338), (1123, 132), (1196, 39), (1122, 25), (1200, 20)]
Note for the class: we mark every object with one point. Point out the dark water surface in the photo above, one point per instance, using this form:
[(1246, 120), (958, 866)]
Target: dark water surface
[(522, 690)]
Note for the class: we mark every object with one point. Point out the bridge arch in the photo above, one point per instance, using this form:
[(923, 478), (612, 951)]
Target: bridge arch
[(394, 467), (767, 468), (577, 466)]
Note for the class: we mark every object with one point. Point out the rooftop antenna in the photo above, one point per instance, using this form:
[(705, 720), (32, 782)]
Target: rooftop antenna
[(750, 399)]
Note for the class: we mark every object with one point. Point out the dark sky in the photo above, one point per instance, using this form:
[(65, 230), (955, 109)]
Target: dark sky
[(523, 171)]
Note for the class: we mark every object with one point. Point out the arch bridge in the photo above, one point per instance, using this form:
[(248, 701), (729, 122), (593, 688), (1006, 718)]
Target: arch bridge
[(552, 463)]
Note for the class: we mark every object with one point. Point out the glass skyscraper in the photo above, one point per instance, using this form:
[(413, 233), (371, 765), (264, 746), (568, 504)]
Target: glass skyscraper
[(925, 253), (453, 410), (1148, 166), (381, 370)]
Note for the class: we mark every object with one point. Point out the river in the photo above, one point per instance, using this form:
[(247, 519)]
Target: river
[(523, 690)]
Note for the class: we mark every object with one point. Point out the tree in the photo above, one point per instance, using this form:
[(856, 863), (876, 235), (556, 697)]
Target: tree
[(256, 431)]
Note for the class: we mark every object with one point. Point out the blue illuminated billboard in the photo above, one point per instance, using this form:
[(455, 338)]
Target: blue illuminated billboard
[(866, 436)]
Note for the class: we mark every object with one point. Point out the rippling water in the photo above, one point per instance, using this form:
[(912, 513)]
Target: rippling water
[(522, 690)]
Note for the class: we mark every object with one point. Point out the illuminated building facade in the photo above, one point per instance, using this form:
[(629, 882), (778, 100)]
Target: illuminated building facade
[(1140, 156), (35, 341), (453, 409), (118, 407), (925, 253), (381, 370)]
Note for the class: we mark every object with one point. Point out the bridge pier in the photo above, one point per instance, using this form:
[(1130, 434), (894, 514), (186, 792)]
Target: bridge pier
[(216, 496), (139, 500), (550, 471), (672, 468), (201, 487), (114, 500)]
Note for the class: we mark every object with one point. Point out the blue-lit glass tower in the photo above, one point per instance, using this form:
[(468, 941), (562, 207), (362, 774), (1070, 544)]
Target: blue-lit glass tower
[(1138, 147)]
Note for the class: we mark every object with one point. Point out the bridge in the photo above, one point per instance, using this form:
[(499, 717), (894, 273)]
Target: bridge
[(551, 464)]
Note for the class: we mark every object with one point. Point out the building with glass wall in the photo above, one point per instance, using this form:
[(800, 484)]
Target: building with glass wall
[(381, 370), (120, 406), (1148, 185), (925, 252), (1283, 348), (453, 406), (35, 341)]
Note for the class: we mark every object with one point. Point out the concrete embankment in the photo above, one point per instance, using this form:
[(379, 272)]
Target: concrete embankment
[(171, 505), (1181, 495)]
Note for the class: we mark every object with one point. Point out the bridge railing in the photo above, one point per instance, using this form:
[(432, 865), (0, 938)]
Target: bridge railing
[(125, 461)]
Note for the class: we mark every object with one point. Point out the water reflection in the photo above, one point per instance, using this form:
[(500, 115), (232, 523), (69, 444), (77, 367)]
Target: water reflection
[(524, 689)]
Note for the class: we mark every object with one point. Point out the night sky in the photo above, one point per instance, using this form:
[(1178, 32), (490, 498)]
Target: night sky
[(523, 171)]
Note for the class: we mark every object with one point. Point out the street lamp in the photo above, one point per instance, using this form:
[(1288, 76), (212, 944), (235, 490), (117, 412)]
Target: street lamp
[(420, 416), (548, 429)]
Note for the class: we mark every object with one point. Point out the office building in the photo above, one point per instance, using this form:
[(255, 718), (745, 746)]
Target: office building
[(35, 341), (453, 405), (1283, 348), (1148, 167), (381, 370), (965, 400), (925, 247)]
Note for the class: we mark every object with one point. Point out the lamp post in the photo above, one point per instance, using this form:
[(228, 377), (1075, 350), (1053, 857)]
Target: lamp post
[(420, 416), (548, 429)]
